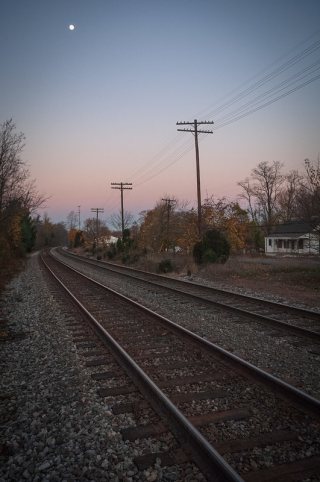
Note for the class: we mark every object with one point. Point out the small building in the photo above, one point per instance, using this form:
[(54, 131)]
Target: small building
[(108, 240), (293, 237)]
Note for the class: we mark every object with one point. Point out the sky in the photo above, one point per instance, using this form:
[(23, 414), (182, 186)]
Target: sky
[(99, 104)]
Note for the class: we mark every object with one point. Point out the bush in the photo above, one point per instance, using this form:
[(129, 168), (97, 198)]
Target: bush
[(213, 248), (165, 266), (110, 254), (98, 258), (125, 259), (209, 256), (136, 258)]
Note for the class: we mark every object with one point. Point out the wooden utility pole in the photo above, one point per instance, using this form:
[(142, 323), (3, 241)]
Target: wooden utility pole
[(169, 206), (195, 130), (97, 210), (121, 184), (79, 215)]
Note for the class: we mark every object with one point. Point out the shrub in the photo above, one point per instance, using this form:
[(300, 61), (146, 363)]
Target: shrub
[(209, 256), (213, 248), (125, 258), (165, 266), (110, 254), (98, 258)]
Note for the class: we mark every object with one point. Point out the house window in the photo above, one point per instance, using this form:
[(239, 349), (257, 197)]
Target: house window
[(270, 242), (292, 244), (279, 243), (300, 243)]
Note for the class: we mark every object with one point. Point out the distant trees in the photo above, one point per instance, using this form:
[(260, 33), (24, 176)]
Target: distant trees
[(72, 220), (49, 233), (92, 228), (115, 220), (273, 197)]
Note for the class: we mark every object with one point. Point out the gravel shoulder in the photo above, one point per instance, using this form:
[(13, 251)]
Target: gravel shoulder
[(54, 427)]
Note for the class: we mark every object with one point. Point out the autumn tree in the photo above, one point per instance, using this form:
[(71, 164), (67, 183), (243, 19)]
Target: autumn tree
[(19, 197), (152, 229), (228, 218), (49, 233)]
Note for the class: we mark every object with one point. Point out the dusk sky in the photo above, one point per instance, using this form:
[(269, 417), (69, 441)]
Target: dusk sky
[(99, 104)]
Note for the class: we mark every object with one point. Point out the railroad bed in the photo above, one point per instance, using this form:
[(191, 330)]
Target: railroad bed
[(250, 417), (292, 358)]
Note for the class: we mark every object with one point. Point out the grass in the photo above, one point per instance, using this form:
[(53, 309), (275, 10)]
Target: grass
[(284, 272)]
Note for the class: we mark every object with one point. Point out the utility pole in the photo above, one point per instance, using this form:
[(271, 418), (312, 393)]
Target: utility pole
[(121, 184), (79, 215), (169, 206), (97, 210), (195, 130)]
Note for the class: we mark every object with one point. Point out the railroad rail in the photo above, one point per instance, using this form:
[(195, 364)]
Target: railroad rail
[(174, 369), (297, 320)]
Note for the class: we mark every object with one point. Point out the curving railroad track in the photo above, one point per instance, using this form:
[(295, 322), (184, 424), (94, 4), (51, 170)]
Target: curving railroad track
[(227, 414)]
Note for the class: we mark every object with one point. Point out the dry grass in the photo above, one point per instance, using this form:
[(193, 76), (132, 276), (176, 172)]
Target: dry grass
[(285, 271)]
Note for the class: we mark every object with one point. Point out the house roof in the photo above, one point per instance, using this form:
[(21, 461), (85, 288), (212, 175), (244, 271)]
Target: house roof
[(294, 228)]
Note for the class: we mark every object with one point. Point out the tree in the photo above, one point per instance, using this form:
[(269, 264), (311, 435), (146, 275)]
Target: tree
[(308, 196), (229, 218), (213, 247), (264, 186), (72, 220), (19, 197), (288, 195), (90, 229), (116, 220), (28, 233)]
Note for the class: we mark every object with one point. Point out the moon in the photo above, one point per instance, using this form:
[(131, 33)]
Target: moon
[(71, 27)]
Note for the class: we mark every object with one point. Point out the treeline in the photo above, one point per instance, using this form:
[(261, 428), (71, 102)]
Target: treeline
[(19, 198), (272, 197), (269, 197)]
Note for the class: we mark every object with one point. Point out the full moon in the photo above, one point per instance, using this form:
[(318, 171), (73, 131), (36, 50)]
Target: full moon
[(71, 27)]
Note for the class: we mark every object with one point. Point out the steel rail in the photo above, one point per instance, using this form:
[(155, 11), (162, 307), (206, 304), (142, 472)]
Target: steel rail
[(304, 313), (210, 462), (292, 395), (265, 320)]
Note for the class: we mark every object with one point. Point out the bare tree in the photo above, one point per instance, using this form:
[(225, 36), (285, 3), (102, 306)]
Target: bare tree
[(18, 194), (308, 196), (248, 195), (264, 186), (116, 220), (90, 228), (72, 220), (288, 195)]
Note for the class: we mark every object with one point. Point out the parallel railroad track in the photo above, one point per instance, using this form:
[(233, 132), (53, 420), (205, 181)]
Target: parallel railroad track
[(216, 404), (290, 319)]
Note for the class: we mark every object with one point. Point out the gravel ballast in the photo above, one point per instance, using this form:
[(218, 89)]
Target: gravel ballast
[(280, 355), (54, 427)]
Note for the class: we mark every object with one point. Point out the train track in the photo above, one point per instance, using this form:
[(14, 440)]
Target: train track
[(219, 407), (290, 319)]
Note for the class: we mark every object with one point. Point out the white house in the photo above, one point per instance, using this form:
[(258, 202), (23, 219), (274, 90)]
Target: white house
[(108, 240), (293, 237)]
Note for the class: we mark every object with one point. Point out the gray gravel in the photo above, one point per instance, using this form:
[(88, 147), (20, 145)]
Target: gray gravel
[(54, 427), (249, 340)]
